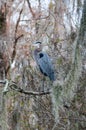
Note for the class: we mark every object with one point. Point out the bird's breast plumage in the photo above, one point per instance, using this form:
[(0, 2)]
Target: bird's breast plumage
[(45, 65)]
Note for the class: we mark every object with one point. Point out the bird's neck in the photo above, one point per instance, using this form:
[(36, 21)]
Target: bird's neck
[(35, 53)]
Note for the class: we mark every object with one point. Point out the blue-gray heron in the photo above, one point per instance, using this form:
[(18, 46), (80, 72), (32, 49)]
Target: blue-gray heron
[(43, 61)]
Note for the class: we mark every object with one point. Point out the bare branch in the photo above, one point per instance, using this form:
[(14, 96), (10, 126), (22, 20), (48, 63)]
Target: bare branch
[(15, 38), (42, 17), (14, 86), (29, 5), (19, 37), (76, 119), (33, 93)]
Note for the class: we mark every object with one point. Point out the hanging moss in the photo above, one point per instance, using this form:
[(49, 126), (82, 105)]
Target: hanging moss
[(56, 92), (64, 93), (70, 84), (82, 32), (69, 87)]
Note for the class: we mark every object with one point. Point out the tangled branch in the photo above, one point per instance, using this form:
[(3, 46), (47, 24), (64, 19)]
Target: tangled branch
[(13, 86)]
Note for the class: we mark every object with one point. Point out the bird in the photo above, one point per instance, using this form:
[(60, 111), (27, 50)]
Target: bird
[(43, 61)]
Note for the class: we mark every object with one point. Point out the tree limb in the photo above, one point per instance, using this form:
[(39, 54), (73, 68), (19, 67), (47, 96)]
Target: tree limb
[(15, 37), (29, 5), (15, 87)]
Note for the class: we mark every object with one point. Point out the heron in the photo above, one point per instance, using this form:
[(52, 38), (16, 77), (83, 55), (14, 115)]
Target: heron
[(43, 62)]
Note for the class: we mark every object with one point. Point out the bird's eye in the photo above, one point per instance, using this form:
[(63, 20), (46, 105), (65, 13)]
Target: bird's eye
[(40, 55)]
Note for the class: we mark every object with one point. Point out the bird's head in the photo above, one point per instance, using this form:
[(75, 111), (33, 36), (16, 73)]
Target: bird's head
[(38, 45), (38, 42)]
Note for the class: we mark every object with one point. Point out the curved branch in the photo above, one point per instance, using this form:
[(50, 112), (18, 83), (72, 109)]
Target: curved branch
[(29, 5), (15, 87)]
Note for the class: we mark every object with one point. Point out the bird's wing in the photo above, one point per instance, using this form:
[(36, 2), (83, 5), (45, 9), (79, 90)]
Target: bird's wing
[(45, 64)]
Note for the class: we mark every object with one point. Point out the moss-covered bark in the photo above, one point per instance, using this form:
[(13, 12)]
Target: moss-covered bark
[(69, 87), (82, 32)]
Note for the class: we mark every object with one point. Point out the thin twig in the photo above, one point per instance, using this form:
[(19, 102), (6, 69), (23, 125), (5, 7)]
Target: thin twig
[(18, 37), (15, 37), (16, 88), (77, 119), (29, 5)]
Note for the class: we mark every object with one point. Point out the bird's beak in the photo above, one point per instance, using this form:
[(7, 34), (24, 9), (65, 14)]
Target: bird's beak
[(36, 45)]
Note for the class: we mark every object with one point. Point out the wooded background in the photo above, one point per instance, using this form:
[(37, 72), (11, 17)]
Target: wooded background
[(61, 27)]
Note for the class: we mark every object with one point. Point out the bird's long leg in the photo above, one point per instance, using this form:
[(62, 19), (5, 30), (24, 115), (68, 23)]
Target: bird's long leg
[(50, 85), (43, 82)]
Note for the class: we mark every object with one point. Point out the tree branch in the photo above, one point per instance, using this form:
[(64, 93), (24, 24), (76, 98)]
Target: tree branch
[(15, 87), (29, 5), (33, 93), (19, 37), (76, 119), (15, 37)]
